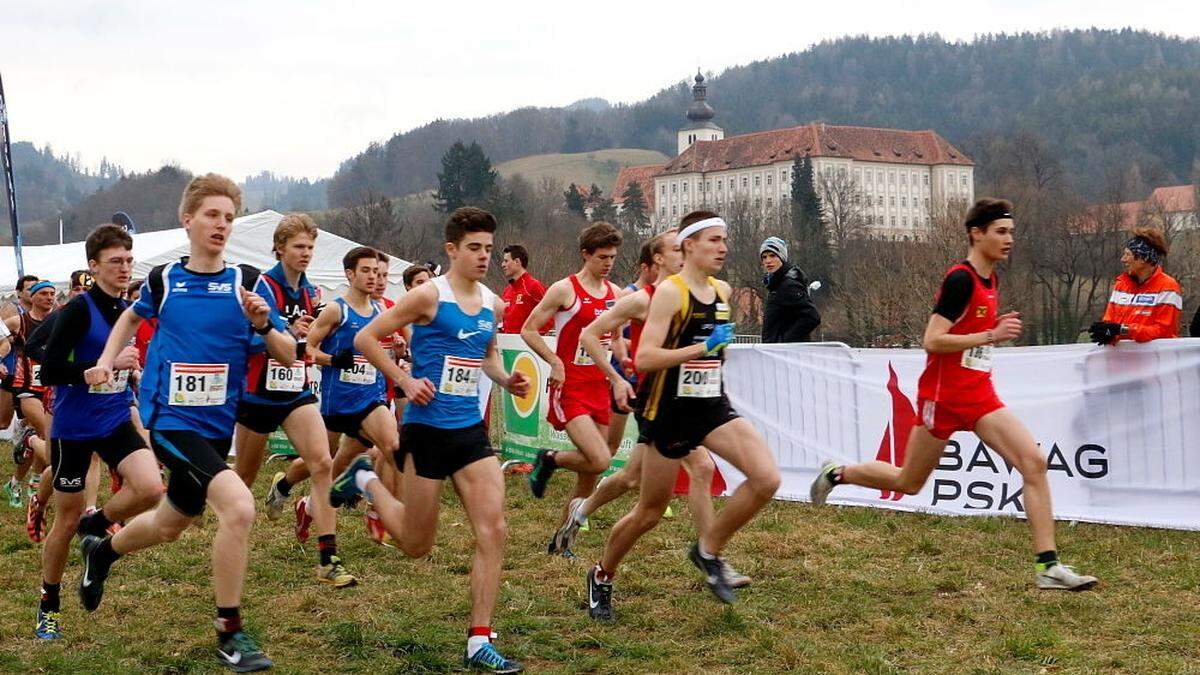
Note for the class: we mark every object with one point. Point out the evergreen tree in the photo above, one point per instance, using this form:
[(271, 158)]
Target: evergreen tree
[(633, 210), (812, 252), (575, 201), (466, 179), (602, 207)]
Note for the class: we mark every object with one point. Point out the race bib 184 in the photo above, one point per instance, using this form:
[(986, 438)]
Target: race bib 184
[(460, 376)]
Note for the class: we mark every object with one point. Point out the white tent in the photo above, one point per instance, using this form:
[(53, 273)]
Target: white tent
[(251, 244)]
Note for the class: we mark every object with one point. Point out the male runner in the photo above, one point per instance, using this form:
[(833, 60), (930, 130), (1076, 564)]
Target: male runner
[(454, 320), (30, 450), (681, 351), (955, 393), (194, 376), (90, 419), (579, 396), (8, 363), (278, 396)]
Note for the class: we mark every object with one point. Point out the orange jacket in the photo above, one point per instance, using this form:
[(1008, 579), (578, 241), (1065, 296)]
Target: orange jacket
[(1150, 310)]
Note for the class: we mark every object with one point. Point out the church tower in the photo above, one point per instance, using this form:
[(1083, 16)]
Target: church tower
[(700, 126)]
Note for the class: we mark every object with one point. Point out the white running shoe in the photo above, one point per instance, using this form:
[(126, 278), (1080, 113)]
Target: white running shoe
[(1062, 577), (275, 500), (822, 485), (735, 578)]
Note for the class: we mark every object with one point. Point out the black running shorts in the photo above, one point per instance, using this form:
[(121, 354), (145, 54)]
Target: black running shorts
[(678, 429), (351, 424), (263, 418), (440, 453), (70, 459), (193, 461)]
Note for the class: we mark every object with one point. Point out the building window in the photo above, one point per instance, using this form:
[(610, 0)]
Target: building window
[(904, 179), (927, 202), (769, 202), (674, 188), (731, 184), (904, 221), (662, 211), (769, 178), (674, 209), (893, 218), (708, 186), (758, 202), (963, 182), (892, 177), (662, 189), (757, 180), (903, 201), (783, 175), (926, 177), (892, 200), (720, 185), (880, 201), (745, 181)]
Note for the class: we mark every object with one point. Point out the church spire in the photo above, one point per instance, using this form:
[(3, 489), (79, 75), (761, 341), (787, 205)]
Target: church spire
[(700, 110)]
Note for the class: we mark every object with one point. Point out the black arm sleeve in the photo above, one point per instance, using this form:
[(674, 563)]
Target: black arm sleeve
[(71, 324), (955, 294), (803, 317), (1195, 328)]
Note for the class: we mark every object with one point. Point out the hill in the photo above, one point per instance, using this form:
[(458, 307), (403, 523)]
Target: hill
[(582, 168), (1105, 101), (47, 184)]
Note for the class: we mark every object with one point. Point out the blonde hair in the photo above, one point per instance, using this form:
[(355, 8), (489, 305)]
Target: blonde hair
[(292, 225), (209, 185)]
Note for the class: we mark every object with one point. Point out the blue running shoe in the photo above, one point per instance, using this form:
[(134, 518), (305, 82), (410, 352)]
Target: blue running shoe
[(489, 660), (241, 654), (47, 626), (543, 469), (344, 491)]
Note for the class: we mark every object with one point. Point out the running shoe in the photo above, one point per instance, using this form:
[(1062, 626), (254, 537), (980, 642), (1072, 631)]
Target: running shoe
[(35, 520), (375, 529), (335, 574), (1062, 577), (565, 536), (714, 574), (91, 580), (345, 491), (12, 489), (48, 626), (303, 519), (735, 578), (822, 485), (241, 654), (543, 469), (276, 500), (489, 660), (599, 596), (21, 444)]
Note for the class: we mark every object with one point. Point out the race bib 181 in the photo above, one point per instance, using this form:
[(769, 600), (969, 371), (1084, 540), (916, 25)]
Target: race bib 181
[(198, 384)]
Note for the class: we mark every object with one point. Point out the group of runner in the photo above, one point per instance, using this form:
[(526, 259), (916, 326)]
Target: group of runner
[(396, 409)]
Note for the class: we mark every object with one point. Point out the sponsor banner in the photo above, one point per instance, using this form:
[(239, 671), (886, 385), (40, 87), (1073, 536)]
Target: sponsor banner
[(1119, 427), (525, 427)]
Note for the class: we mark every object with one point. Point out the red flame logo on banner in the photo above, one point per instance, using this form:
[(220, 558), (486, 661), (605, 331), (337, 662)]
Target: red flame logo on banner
[(895, 435)]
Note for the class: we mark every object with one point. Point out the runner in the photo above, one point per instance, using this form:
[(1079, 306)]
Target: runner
[(579, 396), (91, 420), (30, 450), (955, 393), (276, 396), (454, 320), (195, 373), (681, 350), (8, 363)]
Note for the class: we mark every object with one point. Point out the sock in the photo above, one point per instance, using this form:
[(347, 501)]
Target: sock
[(1046, 560), (105, 556), (229, 621), (550, 459), (601, 575), (704, 554), (362, 478), (835, 475), (95, 524), (327, 547), (284, 487), (49, 600), (477, 637)]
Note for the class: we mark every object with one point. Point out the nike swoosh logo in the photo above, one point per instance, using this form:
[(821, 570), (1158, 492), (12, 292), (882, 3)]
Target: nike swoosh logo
[(86, 568), (463, 335), (233, 659)]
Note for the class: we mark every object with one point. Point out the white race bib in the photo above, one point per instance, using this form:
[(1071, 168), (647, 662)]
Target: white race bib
[(361, 373), (460, 376), (978, 358), (35, 375), (582, 358), (117, 385), (314, 380), (699, 379), (198, 384), (285, 378)]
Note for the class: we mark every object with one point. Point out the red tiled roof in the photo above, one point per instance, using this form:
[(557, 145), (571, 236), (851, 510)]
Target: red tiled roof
[(865, 144), (642, 175), (1175, 198), (1127, 214)]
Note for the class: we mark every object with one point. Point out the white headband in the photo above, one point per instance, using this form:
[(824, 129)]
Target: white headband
[(697, 226)]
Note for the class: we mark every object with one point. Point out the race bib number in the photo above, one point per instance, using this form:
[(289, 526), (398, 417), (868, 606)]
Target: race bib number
[(118, 384), (582, 358), (362, 372), (314, 381), (699, 379), (460, 376), (198, 384), (35, 375), (285, 378), (978, 358)]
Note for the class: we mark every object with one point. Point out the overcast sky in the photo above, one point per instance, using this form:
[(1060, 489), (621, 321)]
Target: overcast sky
[(295, 87)]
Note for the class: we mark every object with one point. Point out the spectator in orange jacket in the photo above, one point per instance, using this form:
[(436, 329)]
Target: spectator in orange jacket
[(1146, 302)]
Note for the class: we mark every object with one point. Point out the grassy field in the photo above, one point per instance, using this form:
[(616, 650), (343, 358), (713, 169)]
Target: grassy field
[(836, 591), (583, 168)]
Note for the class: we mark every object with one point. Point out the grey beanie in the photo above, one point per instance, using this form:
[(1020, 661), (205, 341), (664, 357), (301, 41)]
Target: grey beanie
[(774, 245)]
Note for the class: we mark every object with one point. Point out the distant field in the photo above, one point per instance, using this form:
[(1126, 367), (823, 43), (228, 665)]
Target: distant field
[(839, 590), (583, 168)]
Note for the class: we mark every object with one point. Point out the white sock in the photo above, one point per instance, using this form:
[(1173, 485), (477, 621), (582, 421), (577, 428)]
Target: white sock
[(705, 554), (475, 643), (362, 478)]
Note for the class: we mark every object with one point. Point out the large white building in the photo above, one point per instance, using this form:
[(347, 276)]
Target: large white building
[(902, 178)]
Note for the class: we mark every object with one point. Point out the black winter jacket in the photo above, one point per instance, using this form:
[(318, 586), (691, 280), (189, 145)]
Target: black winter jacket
[(788, 313)]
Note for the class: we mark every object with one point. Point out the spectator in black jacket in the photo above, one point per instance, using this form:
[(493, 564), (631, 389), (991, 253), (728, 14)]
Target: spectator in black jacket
[(788, 314), (1195, 328)]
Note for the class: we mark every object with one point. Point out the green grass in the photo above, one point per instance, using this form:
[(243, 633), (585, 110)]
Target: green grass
[(583, 168), (835, 591)]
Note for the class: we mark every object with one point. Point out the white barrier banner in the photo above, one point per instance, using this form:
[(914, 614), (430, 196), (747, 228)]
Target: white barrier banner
[(1120, 426)]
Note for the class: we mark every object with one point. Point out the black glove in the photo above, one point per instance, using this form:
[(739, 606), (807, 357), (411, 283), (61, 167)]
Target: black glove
[(343, 359), (1105, 332)]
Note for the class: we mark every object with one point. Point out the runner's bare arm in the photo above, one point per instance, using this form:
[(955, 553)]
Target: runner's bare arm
[(651, 356), (493, 366), (325, 324), (280, 343), (611, 321), (122, 333), (938, 339), (417, 306), (556, 297)]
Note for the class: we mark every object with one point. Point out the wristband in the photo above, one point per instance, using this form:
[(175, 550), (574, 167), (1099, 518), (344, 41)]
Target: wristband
[(262, 331)]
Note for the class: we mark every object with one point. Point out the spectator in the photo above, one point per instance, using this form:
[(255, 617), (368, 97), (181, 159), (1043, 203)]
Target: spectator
[(1146, 302), (523, 292), (788, 313), (1195, 328)]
